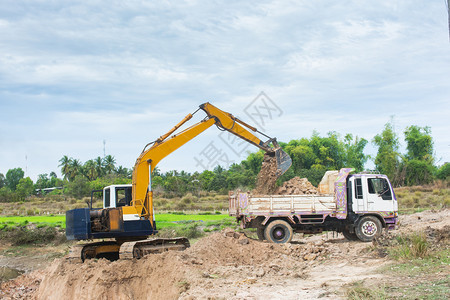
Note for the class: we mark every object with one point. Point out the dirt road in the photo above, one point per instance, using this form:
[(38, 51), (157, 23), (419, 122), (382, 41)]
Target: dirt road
[(223, 265)]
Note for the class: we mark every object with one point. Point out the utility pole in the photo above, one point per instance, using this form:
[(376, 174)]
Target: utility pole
[(448, 11), (104, 148)]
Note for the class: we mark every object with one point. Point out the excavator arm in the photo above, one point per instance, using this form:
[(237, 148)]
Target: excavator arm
[(163, 146)]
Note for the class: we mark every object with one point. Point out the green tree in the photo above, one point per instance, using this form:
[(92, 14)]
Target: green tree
[(125, 172), (64, 163), (354, 152), (387, 159), (418, 172), (42, 182), (79, 187), (24, 188), (99, 166), (90, 170), (206, 177), (2, 180), (13, 177), (444, 172), (75, 169), (253, 161), (109, 164), (419, 143), (418, 165)]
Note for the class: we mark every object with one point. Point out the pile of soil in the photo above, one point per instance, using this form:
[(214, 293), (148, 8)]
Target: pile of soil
[(267, 179), (227, 255), (297, 186), (268, 175)]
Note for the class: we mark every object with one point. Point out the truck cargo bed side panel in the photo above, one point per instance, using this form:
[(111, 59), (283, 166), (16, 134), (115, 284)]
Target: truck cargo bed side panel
[(287, 205)]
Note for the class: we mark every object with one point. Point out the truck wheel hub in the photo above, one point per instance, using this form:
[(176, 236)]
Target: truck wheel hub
[(369, 228), (279, 233)]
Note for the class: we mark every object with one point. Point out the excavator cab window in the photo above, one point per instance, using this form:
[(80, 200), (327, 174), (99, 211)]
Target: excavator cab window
[(107, 198), (123, 196)]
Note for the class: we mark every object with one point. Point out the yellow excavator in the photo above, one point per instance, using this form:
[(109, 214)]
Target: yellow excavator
[(127, 218)]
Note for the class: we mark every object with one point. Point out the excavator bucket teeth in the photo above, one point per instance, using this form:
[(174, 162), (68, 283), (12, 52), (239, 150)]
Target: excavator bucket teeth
[(284, 161)]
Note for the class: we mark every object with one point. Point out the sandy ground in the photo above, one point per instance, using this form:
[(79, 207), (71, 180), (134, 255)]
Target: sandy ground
[(223, 265)]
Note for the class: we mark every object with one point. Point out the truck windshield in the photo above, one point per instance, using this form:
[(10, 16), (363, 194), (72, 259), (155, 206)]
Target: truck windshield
[(379, 186)]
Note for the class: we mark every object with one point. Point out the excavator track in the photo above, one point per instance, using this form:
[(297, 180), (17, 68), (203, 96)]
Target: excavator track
[(138, 249), (105, 249), (75, 253)]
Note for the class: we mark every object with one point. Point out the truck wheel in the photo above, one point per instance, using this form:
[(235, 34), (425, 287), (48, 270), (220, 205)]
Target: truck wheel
[(279, 232), (351, 236), (260, 233), (368, 228)]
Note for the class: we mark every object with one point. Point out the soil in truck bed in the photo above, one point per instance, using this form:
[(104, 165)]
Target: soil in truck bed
[(267, 179)]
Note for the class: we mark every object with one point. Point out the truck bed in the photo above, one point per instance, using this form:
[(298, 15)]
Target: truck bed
[(247, 204)]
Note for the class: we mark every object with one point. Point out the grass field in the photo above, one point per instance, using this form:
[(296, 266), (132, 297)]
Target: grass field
[(162, 220)]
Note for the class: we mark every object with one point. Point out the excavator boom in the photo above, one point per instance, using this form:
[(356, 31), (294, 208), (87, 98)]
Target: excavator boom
[(147, 161)]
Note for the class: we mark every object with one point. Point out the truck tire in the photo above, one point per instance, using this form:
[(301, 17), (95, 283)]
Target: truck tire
[(260, 233), (279, 232), (368, 228), (351, 236)]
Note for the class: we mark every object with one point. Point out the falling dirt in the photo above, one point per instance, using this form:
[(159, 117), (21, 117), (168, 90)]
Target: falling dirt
[(268, 175)]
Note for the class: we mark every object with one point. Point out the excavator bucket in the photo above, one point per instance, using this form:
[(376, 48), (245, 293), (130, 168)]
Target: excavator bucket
[(284, 161)]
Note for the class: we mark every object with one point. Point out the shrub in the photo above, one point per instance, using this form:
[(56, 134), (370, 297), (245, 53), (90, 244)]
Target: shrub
[(190, 231), (418, 172), (410, 246), (444, 172), (23, 236)]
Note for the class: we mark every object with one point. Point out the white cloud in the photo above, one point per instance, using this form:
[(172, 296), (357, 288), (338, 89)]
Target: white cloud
[(74, 74)]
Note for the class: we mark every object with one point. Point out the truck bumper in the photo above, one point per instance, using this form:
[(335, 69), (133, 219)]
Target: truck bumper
[(391, 223)]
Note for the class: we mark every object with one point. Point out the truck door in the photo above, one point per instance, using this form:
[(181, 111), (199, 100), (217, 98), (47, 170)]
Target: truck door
[(356, 194), (379, 195)]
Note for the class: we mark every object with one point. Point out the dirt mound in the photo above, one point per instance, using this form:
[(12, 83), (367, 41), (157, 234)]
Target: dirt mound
[(22, 287), (297, 186), (159, 276), (225, 254), (438, 235), (268, 175), (267, 179)]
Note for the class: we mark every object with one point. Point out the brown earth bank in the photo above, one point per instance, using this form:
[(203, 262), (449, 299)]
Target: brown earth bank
[(226, 265)]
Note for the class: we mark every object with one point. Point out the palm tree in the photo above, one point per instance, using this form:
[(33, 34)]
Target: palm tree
[(65, 162), (109, 163), (125, 172), (90, 169), (75, 169), (99, 166)]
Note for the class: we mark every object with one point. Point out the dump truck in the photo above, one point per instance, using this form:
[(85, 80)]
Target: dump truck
[(127, 218), (358, 205)]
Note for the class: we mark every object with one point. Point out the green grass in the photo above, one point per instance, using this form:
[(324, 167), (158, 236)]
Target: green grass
[(162, 220), (358, 291), (39, 221), (416, 267), (176, 220)]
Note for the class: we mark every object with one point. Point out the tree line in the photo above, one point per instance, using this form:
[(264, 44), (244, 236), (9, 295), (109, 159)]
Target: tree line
[(311, 158)]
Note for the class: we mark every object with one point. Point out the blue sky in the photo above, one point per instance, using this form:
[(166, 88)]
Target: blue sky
[(76, 73)]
